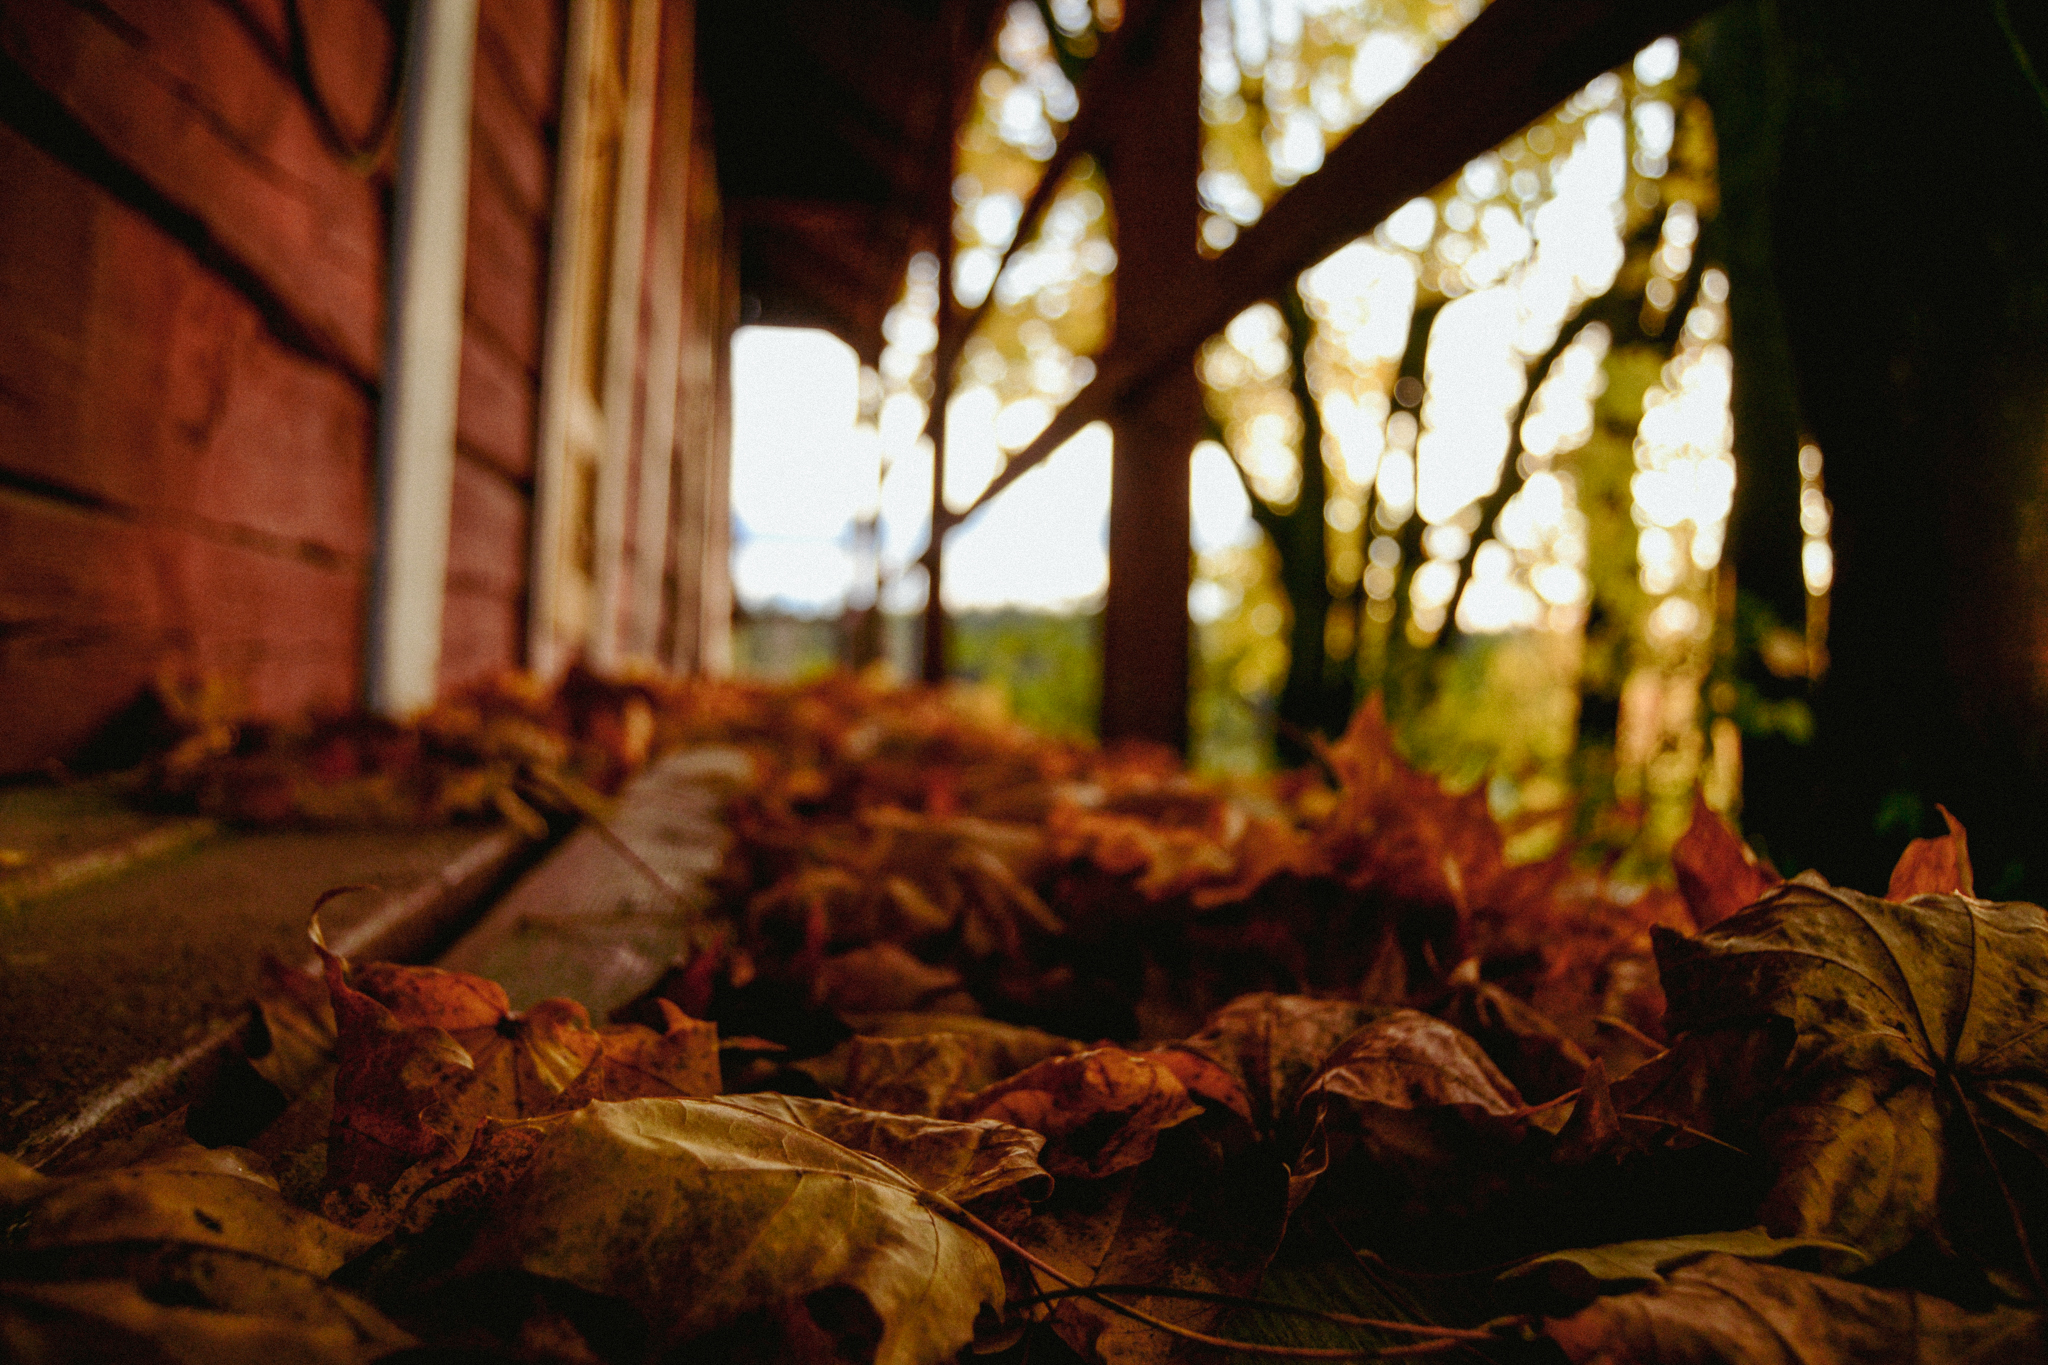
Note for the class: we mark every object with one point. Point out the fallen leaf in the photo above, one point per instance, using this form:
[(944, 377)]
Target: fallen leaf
[(192, 1194), (1718, 874), (291, 1040), (1912, 1095), (430, 997), (927, 1074), (908, 1063), (636, 1062), (410, 1092), (1204, 1078), (1725, 1310), (1528, 1047), (697, 1212), (1101, 1111), (1410, 1114), (982, 1162), (1593, 1128), (524, 1065), (193, 1305), (1273, 1043), (1397, 831), (1934, 867), (1586, 1273), (396, 1088), (1191, 1218), (881, 978)]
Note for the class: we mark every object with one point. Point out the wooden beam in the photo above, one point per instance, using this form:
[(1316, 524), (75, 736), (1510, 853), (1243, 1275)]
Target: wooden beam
[(1508, 67), (1097, 99)]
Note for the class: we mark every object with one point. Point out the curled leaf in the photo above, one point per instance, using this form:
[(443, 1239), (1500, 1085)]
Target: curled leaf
[(430, 997), (395, 1091), (929, 1063), (1419, 1112), (970, 1163), (1586, 1273), (1531, 1049), (190, 1194), (1273, 1043)]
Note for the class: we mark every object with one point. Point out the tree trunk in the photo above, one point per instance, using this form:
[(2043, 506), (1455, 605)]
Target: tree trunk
[(1908, 237)]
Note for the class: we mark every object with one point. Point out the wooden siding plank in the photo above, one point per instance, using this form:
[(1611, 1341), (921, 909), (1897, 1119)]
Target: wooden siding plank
[(93, 605), (310, 231), (133, 375), (237, 68), (589, 925), (480, 636), (486, 597), (510, 143), (487, 531), (503, 280), (350, 46), (523, 39), (494, 408)]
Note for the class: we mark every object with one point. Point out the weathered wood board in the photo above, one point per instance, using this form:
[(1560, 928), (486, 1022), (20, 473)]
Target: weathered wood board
[(590, 925)]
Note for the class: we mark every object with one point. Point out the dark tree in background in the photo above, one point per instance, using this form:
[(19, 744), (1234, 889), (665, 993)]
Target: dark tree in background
[(1885, 227)]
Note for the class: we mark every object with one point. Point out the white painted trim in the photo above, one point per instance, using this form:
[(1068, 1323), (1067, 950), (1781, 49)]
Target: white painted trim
[(422, 362), (622, 331)]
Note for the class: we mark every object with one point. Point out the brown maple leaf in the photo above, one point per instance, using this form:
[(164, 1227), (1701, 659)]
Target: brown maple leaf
[(1890, 1061)]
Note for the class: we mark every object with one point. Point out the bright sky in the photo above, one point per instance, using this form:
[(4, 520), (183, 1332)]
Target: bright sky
[(803, 472)]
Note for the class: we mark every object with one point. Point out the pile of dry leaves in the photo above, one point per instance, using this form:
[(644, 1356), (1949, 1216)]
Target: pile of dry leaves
[(1014, 1046)]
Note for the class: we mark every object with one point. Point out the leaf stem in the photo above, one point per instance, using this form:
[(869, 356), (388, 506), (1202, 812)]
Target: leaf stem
[(1442, 1338), (561, 791), (2012, 1207), (1264, 1306)]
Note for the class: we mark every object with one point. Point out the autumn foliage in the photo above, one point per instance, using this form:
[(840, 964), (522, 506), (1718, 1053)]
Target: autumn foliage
[(1012, 1045)]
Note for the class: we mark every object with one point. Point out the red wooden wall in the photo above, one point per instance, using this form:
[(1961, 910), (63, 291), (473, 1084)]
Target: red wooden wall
[(191, 318)]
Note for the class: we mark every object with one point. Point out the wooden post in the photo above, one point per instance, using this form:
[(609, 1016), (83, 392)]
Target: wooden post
[(1152, 156), (416, 426), (934, 664), (960, 54)]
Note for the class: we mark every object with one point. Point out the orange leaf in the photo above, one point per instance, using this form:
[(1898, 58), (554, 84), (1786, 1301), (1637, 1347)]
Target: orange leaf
[(393, 1090), (428, 997), (1934, 867), (637, 1063), (1718, 874)]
